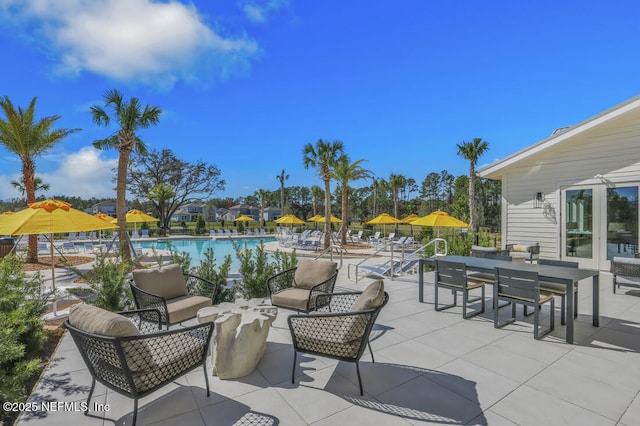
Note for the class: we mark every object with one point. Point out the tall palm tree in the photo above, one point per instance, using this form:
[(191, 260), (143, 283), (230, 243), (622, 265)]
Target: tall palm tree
[(472, 151), (322, 157), (162, 193), (38, 185), (396, 182), (282, 177), (29, 138), (262, 195), (316, 194), (344, 171), (130, 116)]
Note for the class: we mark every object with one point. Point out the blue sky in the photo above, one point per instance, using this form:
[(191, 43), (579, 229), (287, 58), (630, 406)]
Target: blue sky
[(245, 84)]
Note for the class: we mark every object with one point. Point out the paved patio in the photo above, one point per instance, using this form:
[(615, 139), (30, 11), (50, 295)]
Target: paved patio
[(431, 367)]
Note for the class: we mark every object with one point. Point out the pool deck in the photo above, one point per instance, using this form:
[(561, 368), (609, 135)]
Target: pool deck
[(431, 368)]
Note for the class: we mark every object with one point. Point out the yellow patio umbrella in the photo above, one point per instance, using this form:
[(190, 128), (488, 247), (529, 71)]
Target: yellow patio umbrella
[(244, 218), (290, 219), (439, 219), (48, 217), (103, 216), (321, 219), (315, 218), (384, 219), (136, 216), (7, 213), (410, 218)]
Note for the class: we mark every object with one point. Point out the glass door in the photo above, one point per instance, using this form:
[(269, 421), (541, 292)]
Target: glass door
[(578, 238), (622, 222)]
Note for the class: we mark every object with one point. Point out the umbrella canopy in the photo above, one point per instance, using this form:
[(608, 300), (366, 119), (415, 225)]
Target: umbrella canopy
[(7, 213), (244, 218), (103, 216), (384, 219), (136, 216), (440, 219), (290, 219), (321, 219), (48, 217), (410, 218)]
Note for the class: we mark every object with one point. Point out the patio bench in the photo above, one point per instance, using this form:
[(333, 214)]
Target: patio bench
[(525, 250), (626, 271)]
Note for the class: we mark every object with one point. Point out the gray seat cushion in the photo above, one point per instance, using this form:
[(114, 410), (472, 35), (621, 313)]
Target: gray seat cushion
[(186, 307), (292, 298)]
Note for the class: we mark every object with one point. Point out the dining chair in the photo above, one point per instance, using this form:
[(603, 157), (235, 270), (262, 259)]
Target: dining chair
[(521, 287), (453, 276), (560, 289)]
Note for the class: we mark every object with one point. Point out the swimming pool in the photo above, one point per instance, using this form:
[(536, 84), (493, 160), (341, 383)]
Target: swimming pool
[(196, 247)]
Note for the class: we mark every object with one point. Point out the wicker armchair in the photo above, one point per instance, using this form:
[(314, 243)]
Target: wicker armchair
[(626, 271), (178, 296), (341, 329), (128, 354), (298, 287)]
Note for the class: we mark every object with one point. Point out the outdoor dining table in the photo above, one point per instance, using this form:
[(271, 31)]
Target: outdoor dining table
[(557, 274)]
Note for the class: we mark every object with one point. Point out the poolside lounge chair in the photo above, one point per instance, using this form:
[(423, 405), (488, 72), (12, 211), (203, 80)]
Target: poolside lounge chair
[(43, 248), (135, 235), (71, 236), (341, 328), (82, 236), (145, 233), (129, 354), (69, 247)]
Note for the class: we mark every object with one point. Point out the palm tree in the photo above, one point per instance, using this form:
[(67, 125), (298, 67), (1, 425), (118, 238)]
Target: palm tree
[(396, 182), (282, 177), (472, 151), (162, 193), (38, 185), (344, 171), (130, 116), (316, 194), (262, 195), (22, 135), (322, 157)]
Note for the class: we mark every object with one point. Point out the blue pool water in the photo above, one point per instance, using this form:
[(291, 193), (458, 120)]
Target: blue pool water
[(197, 247)]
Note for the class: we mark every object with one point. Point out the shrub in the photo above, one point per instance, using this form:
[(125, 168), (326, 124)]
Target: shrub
[(200, 226), (207, 270), (255, 268), (22, 334), (109, 281)]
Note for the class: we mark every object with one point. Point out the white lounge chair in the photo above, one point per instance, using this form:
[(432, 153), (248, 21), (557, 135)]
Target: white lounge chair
[(69, 247)]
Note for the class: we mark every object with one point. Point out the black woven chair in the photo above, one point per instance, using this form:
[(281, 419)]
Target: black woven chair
[(148, 293), (297, 288), (137, 365), (335, 331)]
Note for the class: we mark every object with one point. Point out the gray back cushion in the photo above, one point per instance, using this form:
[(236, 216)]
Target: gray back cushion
[(167, 281), (96, 320), (371, 297), (310, 273)]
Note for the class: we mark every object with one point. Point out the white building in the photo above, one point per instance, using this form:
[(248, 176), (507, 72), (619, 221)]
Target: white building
[(576, 192)]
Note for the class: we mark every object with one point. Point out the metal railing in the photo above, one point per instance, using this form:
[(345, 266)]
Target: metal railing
[(330, 250), (440, 248)]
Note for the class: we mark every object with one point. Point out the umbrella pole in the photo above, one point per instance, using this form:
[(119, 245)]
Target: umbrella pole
[(53, 279)]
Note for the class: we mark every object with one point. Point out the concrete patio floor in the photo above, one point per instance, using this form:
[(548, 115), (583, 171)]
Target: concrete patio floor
[(431, 367)]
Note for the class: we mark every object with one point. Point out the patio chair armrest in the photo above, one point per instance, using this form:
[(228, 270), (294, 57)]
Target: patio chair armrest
[(145, 320), (336, 302), (626, 268), (199, 286), (147, 300), (322, 288), (535, 249), (281, 281)]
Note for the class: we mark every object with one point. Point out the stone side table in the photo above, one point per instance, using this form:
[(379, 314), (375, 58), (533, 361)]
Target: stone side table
[(240, 335)]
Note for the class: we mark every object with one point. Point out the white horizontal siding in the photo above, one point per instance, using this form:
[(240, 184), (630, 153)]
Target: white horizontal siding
[(612, 150)]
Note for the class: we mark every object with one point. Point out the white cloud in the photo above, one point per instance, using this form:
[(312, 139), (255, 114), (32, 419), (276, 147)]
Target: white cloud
[(86, 173), (259, 11), (132, 40)]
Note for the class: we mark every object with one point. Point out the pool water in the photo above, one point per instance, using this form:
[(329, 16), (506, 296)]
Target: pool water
[(197, 248)]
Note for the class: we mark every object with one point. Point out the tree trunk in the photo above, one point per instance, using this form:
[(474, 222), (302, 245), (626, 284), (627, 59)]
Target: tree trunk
[(28, 172), (327, 212), (121, 200), (472, 195), (343, 235)]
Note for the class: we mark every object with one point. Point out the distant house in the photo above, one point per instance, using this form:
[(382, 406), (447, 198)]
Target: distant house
[(576, 192), (106, 207), (189, 213), (240, 209), (272, 213)]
